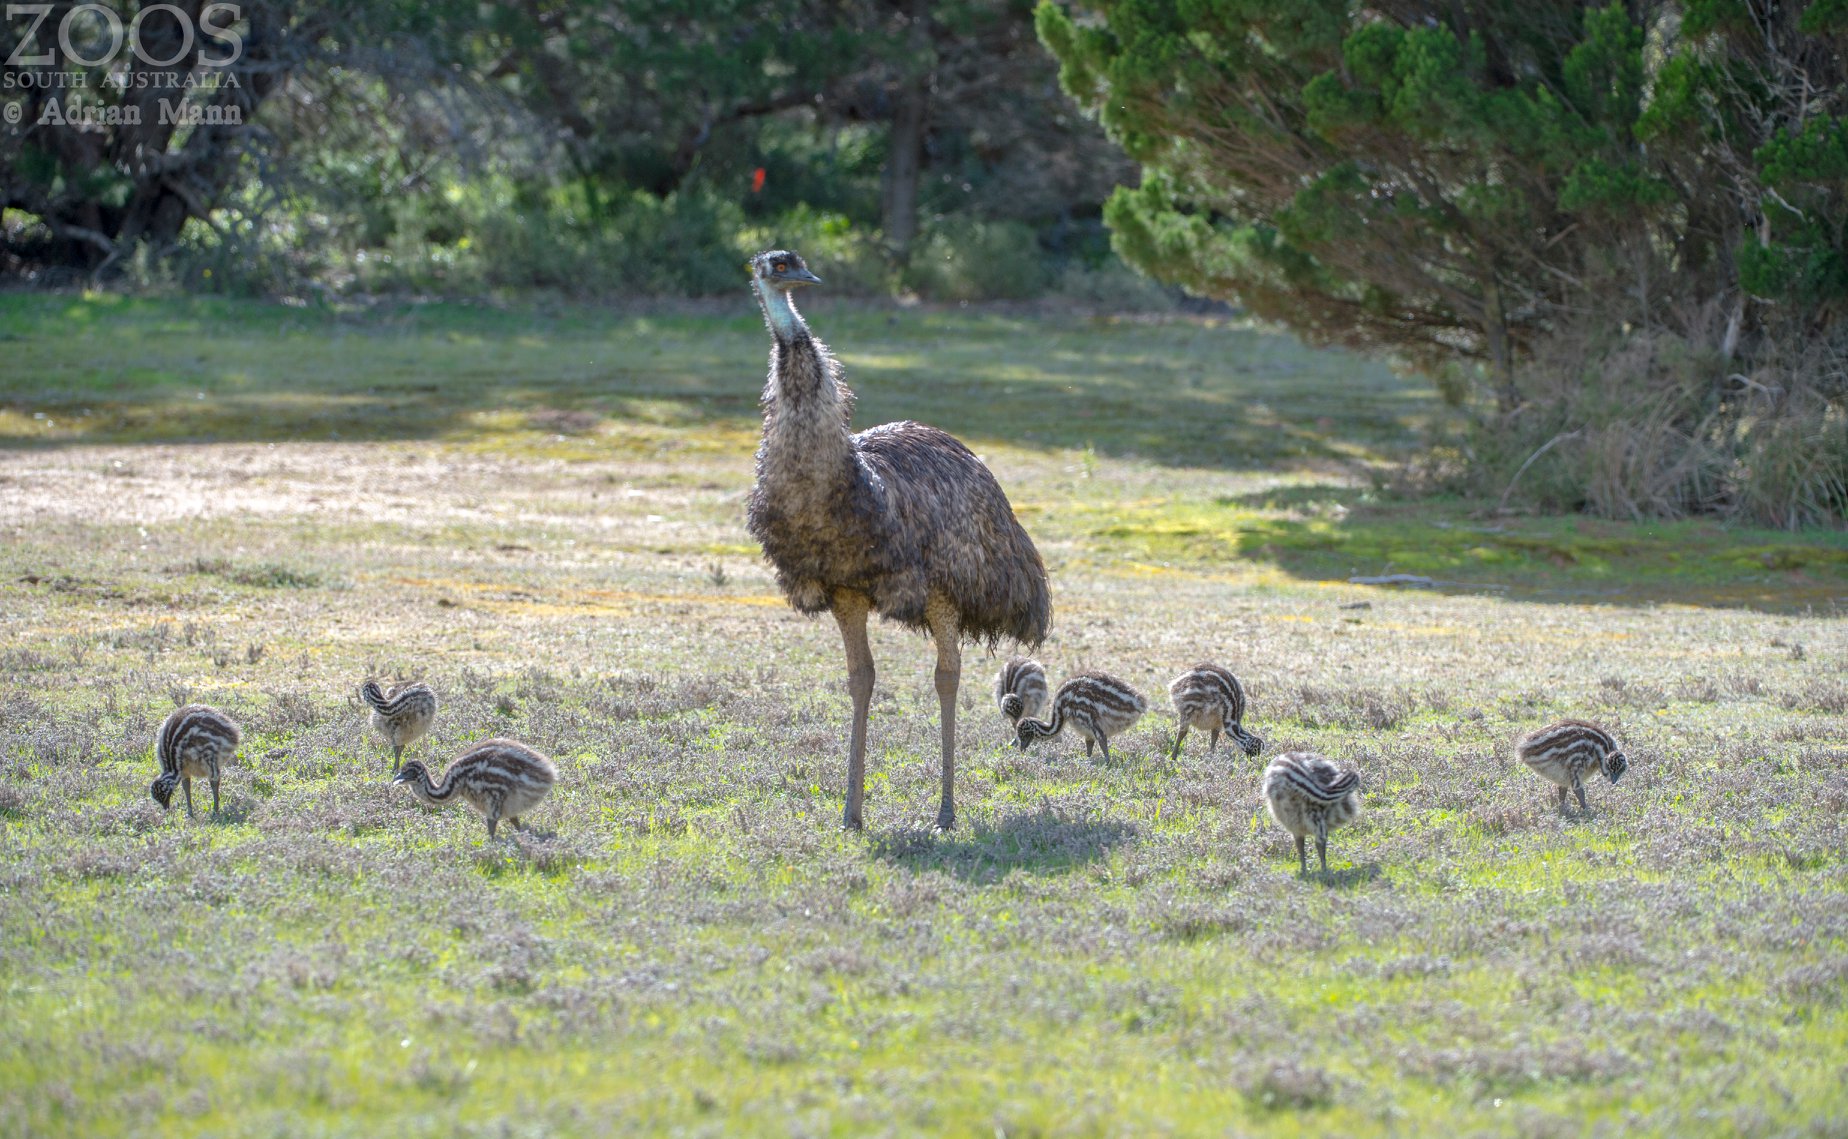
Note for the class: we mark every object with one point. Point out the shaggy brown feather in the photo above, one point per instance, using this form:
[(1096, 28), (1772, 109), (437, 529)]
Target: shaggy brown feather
[(895, 512)]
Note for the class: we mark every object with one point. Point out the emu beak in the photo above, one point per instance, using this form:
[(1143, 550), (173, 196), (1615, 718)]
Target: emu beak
[(804, 276)]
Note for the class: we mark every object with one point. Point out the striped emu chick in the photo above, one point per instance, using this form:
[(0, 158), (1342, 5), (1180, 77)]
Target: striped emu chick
[(194, 743), (501, 779), (1020, 688), (1564, 753), (1097, 705), (1210, 698), (1309, 794), (401, 713)]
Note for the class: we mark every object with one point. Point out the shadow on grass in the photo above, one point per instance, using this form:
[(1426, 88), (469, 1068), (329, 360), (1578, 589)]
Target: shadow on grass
[(1046, 840), (114, 370), (1348, 879), (1328, 532)]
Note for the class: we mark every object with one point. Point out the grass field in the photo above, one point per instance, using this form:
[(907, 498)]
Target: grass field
[(540, 513)]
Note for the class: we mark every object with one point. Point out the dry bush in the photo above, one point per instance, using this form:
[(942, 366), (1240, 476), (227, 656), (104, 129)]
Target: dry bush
[(1662, 424)]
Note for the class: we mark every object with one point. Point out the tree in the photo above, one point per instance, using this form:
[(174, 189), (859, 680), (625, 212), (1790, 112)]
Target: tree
[(136, 119), (1478, 180)]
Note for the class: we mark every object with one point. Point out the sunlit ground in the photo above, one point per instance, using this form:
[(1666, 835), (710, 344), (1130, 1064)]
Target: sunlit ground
[(540, 513)]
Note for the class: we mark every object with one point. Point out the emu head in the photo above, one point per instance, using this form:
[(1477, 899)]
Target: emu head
[(162, 789), (1248, 743), (1614, 764), (1028, 731), (1011, 706), (414, 776), (781, 269)]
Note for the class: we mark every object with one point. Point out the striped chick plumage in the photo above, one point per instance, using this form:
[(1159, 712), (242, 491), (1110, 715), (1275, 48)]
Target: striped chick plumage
[(1209, 697), (1310, 794), (1020, 688), (1096, 705), (499, 778), (195, 742), (402, 714), (1566, 752)]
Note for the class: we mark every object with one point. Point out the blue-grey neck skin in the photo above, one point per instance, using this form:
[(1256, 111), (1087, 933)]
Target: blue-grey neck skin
[(806, 406), (779, 311)]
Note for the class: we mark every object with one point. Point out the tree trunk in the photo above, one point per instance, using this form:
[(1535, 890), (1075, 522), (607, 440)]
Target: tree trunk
[(905, 141), (1501, 360)]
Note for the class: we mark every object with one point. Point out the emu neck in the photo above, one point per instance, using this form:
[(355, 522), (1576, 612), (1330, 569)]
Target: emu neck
[(1052, 725), (433, 792), (780, 313), (806, 407)]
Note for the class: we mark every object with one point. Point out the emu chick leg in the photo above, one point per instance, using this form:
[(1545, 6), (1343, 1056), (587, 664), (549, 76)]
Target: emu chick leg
[(850, 613)]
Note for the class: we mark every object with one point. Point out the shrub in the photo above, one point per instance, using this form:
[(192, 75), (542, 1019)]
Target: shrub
[(966, 259)]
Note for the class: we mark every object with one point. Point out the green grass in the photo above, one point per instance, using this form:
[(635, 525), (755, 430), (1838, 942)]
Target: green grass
[(539, 512)]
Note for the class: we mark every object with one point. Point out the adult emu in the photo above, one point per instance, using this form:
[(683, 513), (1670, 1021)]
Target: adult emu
[(901, 519)]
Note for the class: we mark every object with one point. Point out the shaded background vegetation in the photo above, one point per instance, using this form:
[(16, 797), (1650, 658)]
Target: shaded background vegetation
[(1614, 233), (1617, 231)]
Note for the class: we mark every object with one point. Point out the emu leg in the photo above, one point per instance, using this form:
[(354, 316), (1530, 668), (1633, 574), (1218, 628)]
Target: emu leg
[(214, 798), (850, 613), (1212, 747), (1321, 843), (943, 627), (1579, 790), (1180, 738), (186, 782), (1302, 855), (397, 757), (1562, 800)]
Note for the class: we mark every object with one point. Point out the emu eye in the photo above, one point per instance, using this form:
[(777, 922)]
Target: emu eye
[(782, 266)]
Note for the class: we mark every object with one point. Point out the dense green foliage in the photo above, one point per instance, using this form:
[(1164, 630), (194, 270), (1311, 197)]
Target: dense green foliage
[(644, 147), (1534, 190)]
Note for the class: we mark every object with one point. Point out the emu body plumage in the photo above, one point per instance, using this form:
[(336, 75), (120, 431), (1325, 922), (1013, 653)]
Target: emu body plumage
[(1095, 704), (401, 714), (1566, 752), (195, 742), (900, 519), (499, 778), (1310, 794), (1209, 697), (1020, 688)]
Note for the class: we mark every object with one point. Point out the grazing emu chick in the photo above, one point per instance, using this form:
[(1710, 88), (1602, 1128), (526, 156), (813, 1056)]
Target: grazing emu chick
[(401, 713), (1309, 794), (1565, 752), (1097, 704), (1020, 688), (194, 742), (501, 779), (1209, 697), (900, 519)]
